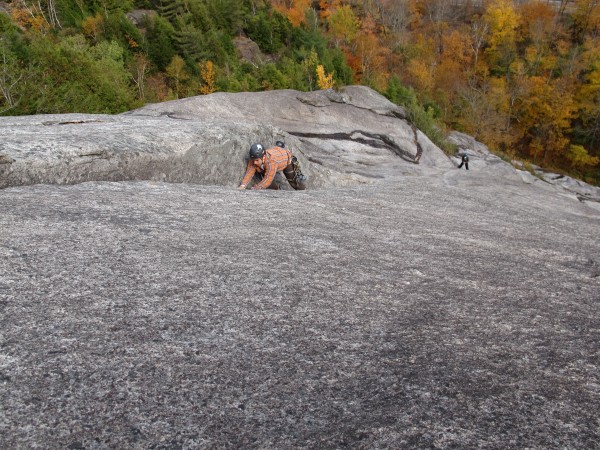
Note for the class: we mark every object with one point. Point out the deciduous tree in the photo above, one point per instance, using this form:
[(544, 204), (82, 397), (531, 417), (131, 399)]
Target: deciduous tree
[(207, 73), (177, 75), (544, 117), (309, 65), (502, 19), (324, 80), (343, 25)]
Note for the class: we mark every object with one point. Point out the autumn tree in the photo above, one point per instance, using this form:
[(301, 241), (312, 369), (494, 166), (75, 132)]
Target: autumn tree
[(343, 25), (372, 56), (327, 7), (454, 64), (29, 16), (586, 18), (502, 19), (93, 27), (294, 10), (580, 159), (478, 35), (588, 97), (324, 80), (544, 118), (420, 65), (539, 30), (483, 107), (207, 73)]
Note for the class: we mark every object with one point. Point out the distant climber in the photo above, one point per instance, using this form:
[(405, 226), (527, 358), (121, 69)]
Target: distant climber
[(266, 163), (464, 160)]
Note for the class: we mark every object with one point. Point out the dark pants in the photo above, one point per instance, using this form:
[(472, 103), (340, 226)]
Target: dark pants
[(290, 175), (466, 165), (293, 178)]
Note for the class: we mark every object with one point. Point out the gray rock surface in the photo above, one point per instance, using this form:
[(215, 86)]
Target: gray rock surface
[(341, 139), (392, 305), (411, 313), (484, 162)]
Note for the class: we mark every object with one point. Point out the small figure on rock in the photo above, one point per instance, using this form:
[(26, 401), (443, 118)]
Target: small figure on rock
[(464, 160), (266, 163)]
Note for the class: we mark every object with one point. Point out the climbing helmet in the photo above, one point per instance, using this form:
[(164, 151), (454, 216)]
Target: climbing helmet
[(256, 151)]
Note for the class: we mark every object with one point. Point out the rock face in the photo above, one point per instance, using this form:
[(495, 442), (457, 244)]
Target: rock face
[(494, 169), (345, 138), (411, 313), (340, 138), (391, 305)]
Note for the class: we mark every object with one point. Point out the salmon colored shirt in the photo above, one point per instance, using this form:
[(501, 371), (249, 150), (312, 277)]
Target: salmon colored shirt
[(274, 160)]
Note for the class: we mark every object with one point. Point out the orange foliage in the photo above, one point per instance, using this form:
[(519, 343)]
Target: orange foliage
[(294, 10), (296, 13), (372, 56), (327, 7), (354, 63), (369, 25), (455, 46), (415, 13), (537, 20), (454, 64), (132, 43), (30, 18)]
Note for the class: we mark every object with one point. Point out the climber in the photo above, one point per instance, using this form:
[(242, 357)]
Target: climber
[(266, 163), (464, 160)]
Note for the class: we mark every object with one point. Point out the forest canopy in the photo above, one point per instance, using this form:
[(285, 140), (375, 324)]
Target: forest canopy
[(521, 76)]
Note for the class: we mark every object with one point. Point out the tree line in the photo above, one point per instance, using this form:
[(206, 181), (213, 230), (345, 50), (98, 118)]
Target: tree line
[(521, 76)]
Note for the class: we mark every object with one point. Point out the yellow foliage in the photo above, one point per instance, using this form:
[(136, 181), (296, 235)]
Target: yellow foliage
[(421, 75), (207, 72), (544, 116), (580, 158), (324, 81), (503, 20), (587, 15), (343, 24), (498, 94)]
